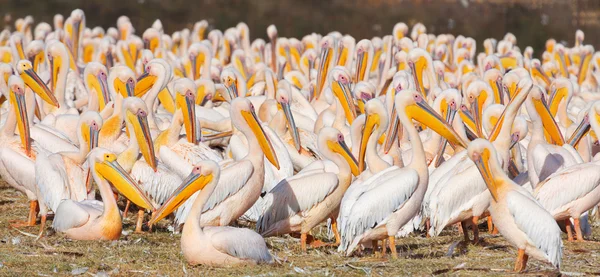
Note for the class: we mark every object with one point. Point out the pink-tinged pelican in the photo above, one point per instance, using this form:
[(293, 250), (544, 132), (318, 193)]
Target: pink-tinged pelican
[(92, 219), (301, 202), (211, 245), (521, 219)]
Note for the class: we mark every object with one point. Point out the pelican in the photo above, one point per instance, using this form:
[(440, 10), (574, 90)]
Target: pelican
[(521, 219), (211, 245), (299, 203), (92, 219)]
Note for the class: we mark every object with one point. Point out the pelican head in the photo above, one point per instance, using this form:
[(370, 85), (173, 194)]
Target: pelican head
[(34, 52), (537, 97), (205, 91), (418, 61), (284, 99), (376, 118), (58, 60), (58, 21), (16, 43), (104, 165), (326, 56), (19, 106), (363, 92), (96, 79), (494, 78), (483, 154), (243, 116), (199, 53), (400, 30), (339, 82), (154, 69), (151, 38), (203, 174), (135, 112), (74, 28), (364, 58), (200, 29), (230, 77), (90, 123), (478, 95), (332, 140), (33, 81), (560, 89), (122, 81), (185, 100)]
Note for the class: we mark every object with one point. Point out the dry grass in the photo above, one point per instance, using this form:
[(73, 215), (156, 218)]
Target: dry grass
[(158, 254)]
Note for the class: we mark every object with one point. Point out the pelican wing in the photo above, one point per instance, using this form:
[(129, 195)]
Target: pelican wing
[(193, 153), (52, 141), (567, 185), (174, 162), (160, 184), (233, 179), (539, 226), (547, 159), (373, 207), (294, 195), (51, 179), (69, 215), (239, 242)]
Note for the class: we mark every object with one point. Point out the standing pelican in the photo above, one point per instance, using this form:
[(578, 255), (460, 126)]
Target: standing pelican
[(519, 217), (211, 245)]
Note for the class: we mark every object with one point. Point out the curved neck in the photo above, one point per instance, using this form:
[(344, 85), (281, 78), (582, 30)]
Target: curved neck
[(373, 159), (170, 136), (192, 224), (152, 96), (128, 157), (537, 130), (110, 204), (418, 161)]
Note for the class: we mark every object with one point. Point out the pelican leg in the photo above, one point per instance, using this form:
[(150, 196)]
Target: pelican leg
[(569, 229), (126, 209), (33, 206), (465, 231), (427, 226), (578, 232), (303, 242), (334, 228), (521, 263), (392, 240), (490, 224), (495, 232), (475, 228), (42, 227), (140, 219), (383, 247)]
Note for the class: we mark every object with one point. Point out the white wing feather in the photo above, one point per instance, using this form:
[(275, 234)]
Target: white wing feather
[(239, 242)]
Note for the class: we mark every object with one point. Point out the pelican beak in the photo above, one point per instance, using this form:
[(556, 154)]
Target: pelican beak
[(450, 114), (144, 84), (467, 119), (361, 66), (483, 164), (213, 136), (151, 45), (20, 51), (371, 121), (341, 148), (33, 81), (556, 96), (584, 67), (417, 71), (361, 105), (518, 90), (259, 133), (192, 183), (201, 96), (100, 85), (197, 63), (110, 170), (423, 113), (231, 86), (142, 134), (166, 99), (582, 129), (90, 134), (291, 124), (325, 61), (342, 92), (550, 126), (75, 37), (394, 131), (188, 107), (537, 71), (17, 100), (514, 139)]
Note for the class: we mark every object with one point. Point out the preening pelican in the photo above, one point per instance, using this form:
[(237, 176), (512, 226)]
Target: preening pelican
[(92, 219), (521, 219), (211, 245)]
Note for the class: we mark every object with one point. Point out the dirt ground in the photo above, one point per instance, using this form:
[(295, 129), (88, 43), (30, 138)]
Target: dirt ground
[(158, 254)]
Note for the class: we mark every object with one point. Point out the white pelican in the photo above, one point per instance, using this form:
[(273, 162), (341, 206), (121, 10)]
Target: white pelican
[(62, 175), (92, 219), (299, 203), (211, 245), (519, 217)]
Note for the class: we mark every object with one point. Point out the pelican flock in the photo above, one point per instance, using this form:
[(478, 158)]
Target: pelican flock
[(407, 133)]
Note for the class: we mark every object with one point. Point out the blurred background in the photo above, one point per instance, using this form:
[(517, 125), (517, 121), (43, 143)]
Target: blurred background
[(532, 21)]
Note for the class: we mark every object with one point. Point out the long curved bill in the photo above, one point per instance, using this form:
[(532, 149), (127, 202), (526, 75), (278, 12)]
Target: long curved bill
[(325, 63), (394, 132), (371, 120), (193, 183), (468, 120), (143, 136), (424, 114), (166, 99), (213, 136), (291, 125), (263, 140), (582, 129), (483, 165), (498, 90), (550, 126), (584, 67), (33, 81), (188, 108), (417, 71), (126, 89), (144, 84), (361, 66), (90, 134), (442, 148), (18, 102), (343, 93), (100, 85), (537, 71), (110, 170), (342, 149), (556, 97), (519, 95)]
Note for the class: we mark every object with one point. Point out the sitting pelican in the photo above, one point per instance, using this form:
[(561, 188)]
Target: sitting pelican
[(211, 245), (521, 219), (92, 219), (301, 202)]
